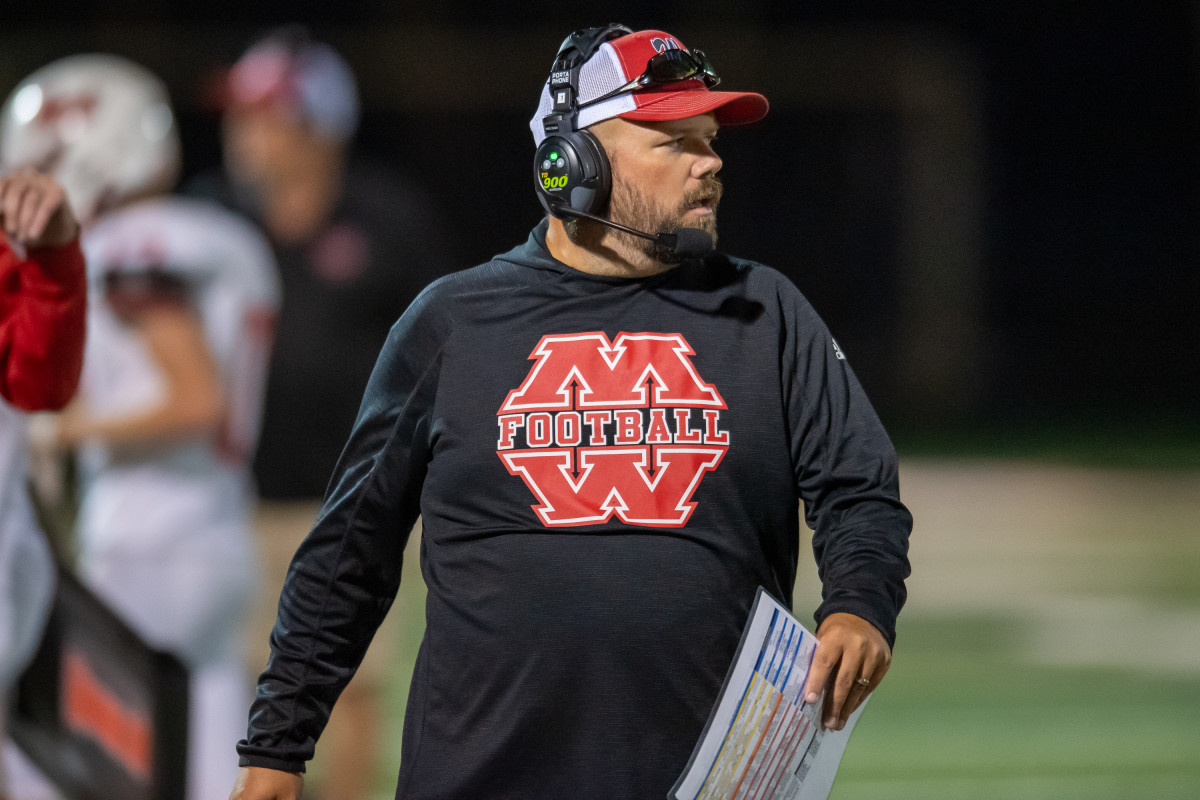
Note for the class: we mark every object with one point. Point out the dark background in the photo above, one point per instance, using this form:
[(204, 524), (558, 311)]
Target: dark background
[(1036, 272)]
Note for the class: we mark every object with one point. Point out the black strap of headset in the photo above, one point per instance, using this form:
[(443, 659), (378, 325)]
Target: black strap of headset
[(572, 54)]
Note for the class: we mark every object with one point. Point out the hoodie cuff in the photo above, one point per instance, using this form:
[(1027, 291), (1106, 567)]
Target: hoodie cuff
[(271, 763)]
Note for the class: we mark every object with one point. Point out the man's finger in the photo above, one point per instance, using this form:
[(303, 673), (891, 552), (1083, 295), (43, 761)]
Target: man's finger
[(872, 672), (862, 687), (36, 206), (40, 212), (23, 198), (44, 218), (850, 667), (10, 205), (823, 664)]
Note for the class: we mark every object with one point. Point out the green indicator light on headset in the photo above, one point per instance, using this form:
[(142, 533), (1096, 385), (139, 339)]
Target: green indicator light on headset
[(554, 156)]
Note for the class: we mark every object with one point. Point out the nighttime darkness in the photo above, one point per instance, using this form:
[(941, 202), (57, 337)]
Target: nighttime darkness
[(992, 205)]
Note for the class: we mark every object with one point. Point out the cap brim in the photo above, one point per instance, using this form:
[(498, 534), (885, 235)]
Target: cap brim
[(730, 108)]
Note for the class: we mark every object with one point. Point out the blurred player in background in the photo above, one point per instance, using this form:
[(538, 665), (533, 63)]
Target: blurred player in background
[(185, 295), (354, 245), (43, 303)]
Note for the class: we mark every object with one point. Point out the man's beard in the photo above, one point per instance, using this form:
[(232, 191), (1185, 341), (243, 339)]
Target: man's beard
[(630, 207)]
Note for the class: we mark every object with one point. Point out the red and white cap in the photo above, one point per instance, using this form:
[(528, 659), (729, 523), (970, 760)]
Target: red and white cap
[(620, 61), (290, 73)]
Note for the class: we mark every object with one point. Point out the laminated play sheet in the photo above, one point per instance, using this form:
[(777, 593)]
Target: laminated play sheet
[(762, 741)]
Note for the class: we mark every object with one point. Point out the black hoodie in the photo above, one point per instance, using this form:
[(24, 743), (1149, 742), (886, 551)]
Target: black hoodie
[(606, 470)]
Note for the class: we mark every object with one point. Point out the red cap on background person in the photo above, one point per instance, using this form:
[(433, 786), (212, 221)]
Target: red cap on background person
[(286, 71)]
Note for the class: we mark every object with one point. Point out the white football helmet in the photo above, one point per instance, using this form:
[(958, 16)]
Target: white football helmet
[(101, 124)]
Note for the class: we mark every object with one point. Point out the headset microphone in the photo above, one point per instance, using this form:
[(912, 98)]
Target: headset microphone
[(689, 242), (684, 242)]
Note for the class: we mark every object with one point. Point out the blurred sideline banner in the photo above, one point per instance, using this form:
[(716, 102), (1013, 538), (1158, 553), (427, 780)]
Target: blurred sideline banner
[(102, 714)]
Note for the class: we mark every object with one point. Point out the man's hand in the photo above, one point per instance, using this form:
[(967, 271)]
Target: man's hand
[(34, 210), (850, 661), (257, 783)]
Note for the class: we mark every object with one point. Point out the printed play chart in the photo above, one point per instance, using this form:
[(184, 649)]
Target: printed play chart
[(762, 741)]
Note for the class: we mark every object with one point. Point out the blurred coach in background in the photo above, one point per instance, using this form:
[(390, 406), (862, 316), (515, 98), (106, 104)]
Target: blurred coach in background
[(354, 245)]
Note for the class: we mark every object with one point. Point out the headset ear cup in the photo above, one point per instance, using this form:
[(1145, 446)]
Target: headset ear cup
[(585, 174), (600, 168), (558, 157), (539, 173)]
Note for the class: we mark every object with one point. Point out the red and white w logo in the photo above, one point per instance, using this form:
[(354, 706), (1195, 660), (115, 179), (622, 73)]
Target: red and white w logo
[(625, 427)]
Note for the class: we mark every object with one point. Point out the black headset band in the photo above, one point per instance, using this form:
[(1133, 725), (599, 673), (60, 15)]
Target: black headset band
[(571, 170), (580, 45), (573, 53)]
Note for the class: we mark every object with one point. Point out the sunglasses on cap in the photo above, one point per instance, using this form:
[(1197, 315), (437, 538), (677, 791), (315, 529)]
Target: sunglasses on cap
[(669, 66)]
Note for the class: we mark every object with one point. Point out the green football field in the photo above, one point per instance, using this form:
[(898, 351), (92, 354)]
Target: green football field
[(1050, 647)]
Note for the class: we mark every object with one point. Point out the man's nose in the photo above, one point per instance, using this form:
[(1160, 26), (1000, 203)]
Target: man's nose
[(708, 163)]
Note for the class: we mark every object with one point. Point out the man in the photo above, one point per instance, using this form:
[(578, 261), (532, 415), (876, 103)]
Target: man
[(43, 302), (607, 439), (179, 331), (354, 245)]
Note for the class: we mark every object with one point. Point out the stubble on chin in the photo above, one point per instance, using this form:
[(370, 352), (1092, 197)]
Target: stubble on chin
[(631, 207)]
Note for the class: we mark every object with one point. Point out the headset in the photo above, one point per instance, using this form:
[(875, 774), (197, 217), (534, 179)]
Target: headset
[(571, 172)]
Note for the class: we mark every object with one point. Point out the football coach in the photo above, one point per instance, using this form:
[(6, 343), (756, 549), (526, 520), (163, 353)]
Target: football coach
[(608, 432)]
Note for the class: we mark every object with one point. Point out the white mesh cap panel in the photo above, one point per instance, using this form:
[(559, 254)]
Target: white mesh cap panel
[(601, 74), (544, 106), (614, 106)]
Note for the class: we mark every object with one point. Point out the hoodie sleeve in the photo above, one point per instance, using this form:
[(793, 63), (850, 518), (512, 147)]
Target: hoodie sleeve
[(846, 473), (43, 303), (345, 575)]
